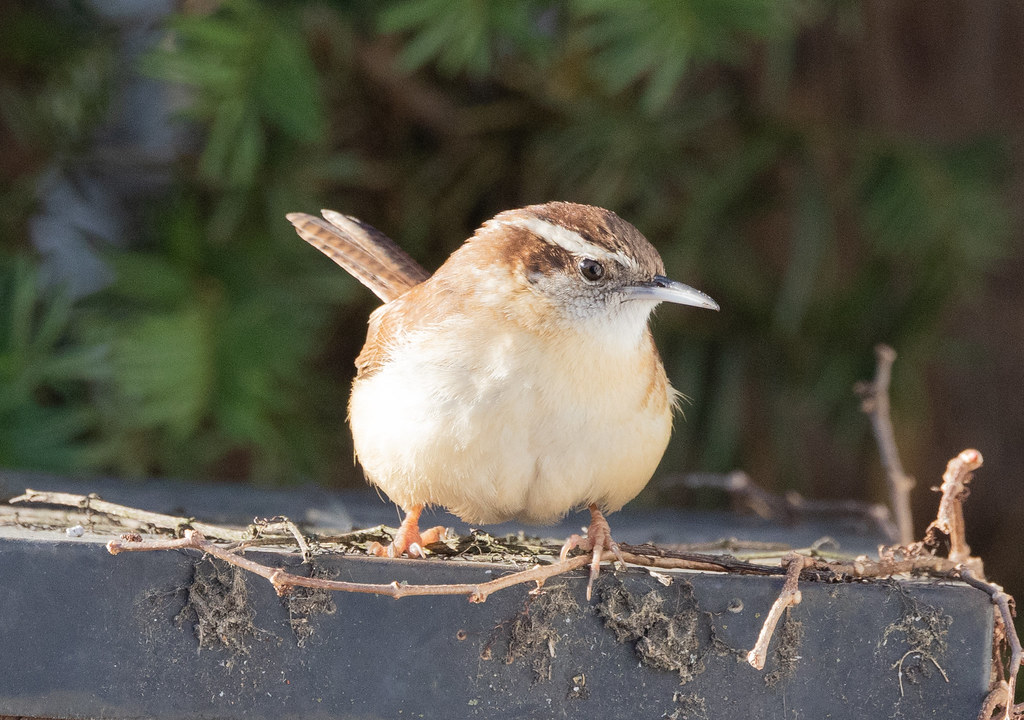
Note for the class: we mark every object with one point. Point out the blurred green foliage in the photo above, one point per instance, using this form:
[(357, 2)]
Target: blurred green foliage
[(208, 349), (44, 378), (222, 346)]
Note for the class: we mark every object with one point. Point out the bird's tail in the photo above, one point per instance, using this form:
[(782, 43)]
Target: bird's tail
[(369, 255)]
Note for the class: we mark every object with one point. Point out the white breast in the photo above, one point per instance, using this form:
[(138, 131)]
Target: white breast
[(514, 425)]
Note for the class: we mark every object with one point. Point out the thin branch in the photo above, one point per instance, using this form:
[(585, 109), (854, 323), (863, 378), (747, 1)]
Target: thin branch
[(282, 580), (788, 507), (641, 555), (1004, 603), (875, 402), (789, 597), (478, 592), (648, 555), (96, 504), (950, 517), (887, 567), (280, 525), (995, 699)]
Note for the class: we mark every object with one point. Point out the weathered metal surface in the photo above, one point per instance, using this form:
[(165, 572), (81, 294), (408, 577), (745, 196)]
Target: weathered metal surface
[(84, 634)]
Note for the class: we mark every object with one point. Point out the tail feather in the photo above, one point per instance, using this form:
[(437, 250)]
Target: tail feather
[(369, 255)]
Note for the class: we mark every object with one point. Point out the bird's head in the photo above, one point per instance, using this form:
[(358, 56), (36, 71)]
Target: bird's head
[(580, 266)]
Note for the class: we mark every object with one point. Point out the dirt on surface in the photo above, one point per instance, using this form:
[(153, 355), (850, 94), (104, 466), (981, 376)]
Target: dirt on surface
[(304, 605), (688, 707), (218, 609), (922, 630), (532, 635), (668, 638), (788, 637)]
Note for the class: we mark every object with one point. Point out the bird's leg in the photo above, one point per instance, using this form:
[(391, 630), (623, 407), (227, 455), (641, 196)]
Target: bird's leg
[(598, 539), (408, 540)]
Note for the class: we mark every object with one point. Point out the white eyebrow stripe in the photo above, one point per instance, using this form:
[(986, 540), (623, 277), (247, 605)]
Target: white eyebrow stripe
[(569, 240)]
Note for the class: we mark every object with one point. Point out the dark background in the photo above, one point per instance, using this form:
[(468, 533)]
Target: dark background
[(834, 173)]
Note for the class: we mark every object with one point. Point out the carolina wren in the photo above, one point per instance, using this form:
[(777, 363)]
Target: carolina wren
[(520, 380)]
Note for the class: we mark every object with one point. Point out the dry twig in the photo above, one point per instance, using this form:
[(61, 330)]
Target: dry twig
[(650, 556), (949, 520), (995, 699), (875, 402), (94, 503), (1003, 693), (280, 525), (788, 507), (950, 517), (789, 596), (644, 555), (283, 581)]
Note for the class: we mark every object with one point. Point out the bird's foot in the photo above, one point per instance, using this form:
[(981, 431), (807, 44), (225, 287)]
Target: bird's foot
[(408, 540), (598, 539)]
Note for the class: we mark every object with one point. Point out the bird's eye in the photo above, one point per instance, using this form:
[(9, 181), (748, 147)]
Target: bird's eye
[(591, 269)]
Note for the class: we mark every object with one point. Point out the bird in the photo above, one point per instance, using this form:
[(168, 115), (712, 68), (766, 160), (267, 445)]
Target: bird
[(520, 381)]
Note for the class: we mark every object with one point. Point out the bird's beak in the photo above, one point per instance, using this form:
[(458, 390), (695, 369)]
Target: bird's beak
[(661, 289)]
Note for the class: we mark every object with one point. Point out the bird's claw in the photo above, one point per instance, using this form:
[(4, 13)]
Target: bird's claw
[(408, 541), (571, 544), (598, 539)]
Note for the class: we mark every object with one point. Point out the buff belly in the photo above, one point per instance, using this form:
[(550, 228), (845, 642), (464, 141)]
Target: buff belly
[(503, 432)]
